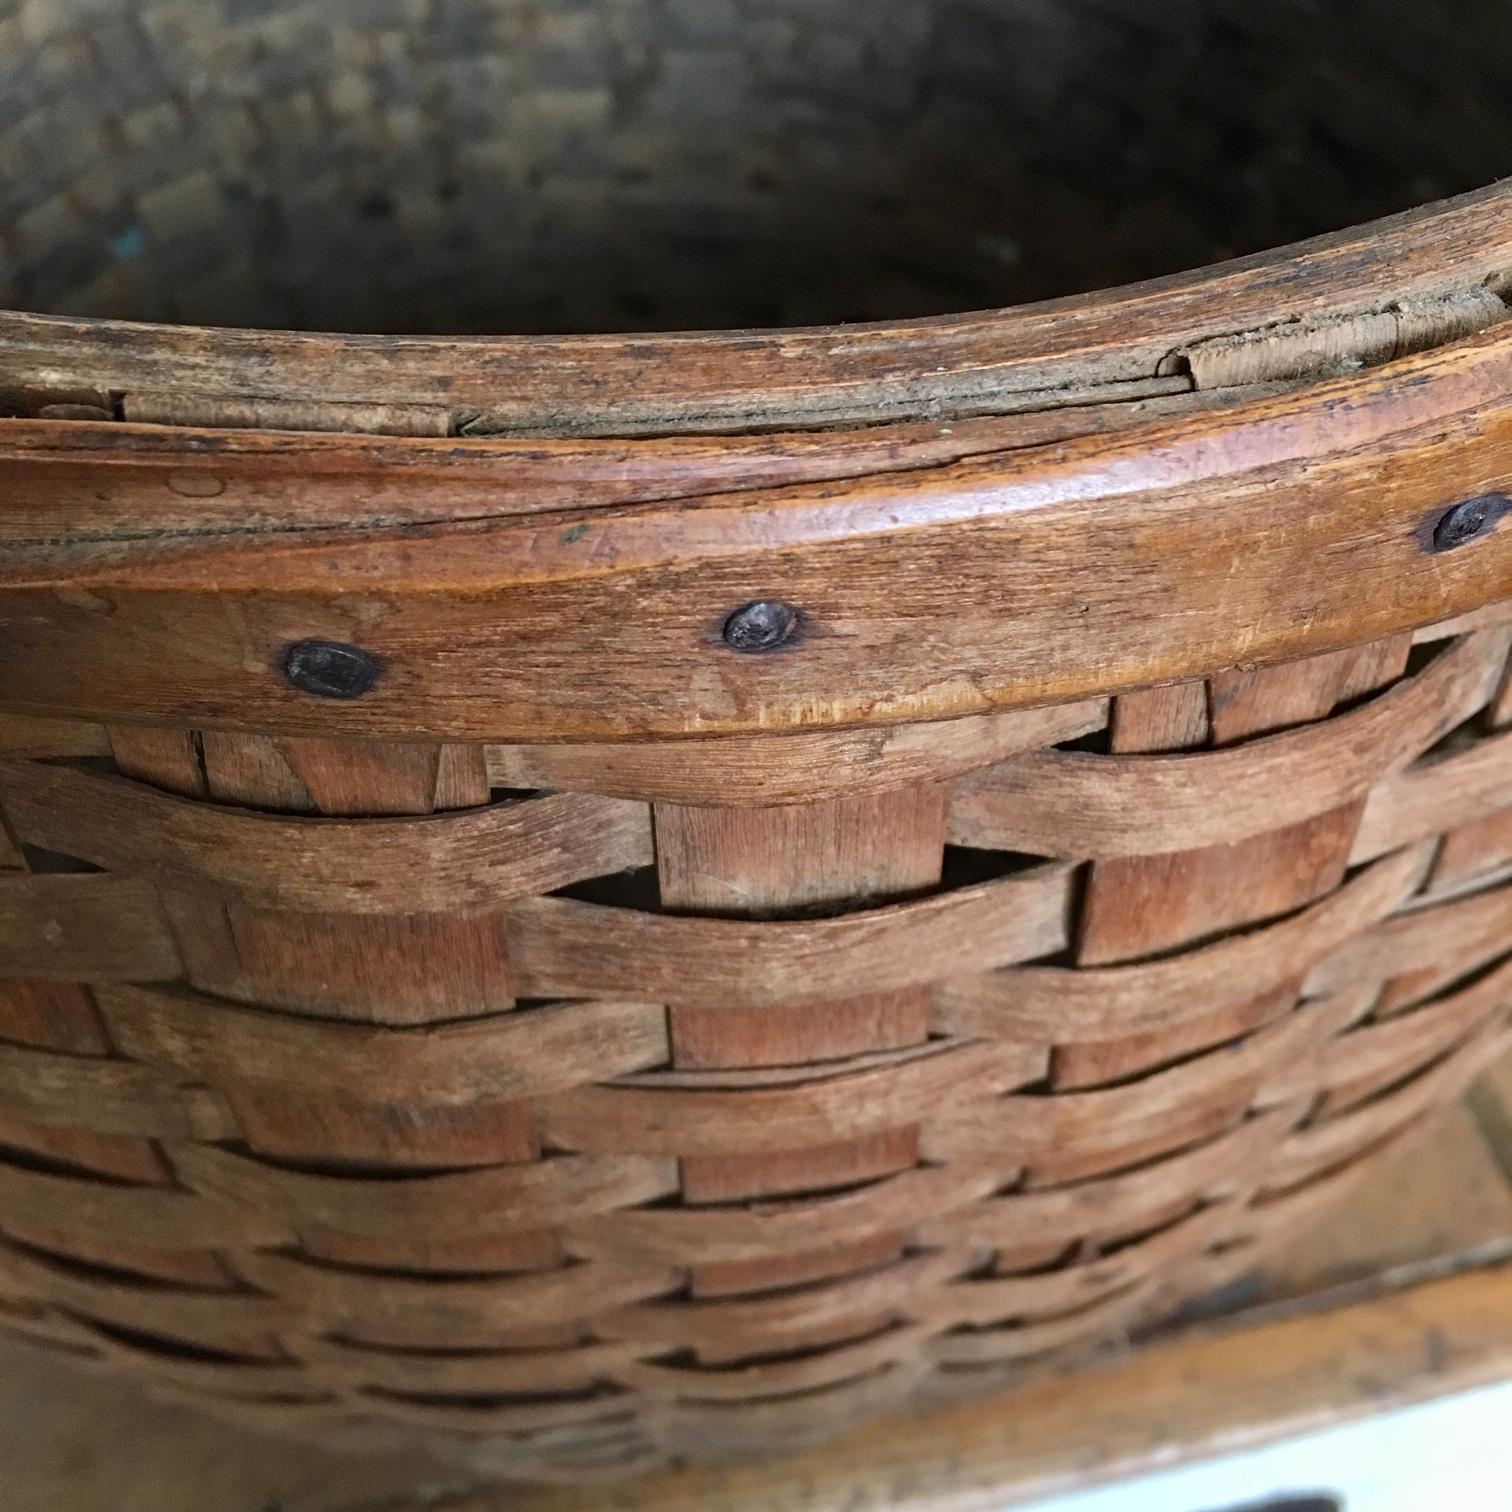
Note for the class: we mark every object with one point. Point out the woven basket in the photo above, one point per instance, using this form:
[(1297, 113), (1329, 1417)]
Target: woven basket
[(618, 898)]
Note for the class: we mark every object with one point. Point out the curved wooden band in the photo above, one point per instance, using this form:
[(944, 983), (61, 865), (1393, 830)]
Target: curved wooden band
[(1172, 550), (423, 864), (1065, 803)]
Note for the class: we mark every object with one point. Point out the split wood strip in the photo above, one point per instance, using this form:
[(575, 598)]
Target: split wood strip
[(1140, 906), (161, 480), (768, 1379), (981, 1302), (1108, 1205), (524, 1053), (437, 863), (1106, 1122), (814, 1111), (560, 1192), (1450, 791), (889, 1204), (108, 1096), (1083, 1005), (23, 735), (1329, 1144), (1450, 939), (78, 1210), (564, 948), (1066, 803), (756, 770), (57, 1016), (339, 1298), (475, 1373)]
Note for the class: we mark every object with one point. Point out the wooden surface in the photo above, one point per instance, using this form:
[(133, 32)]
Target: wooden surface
[(1399, 1295), (353, 1092), (924, 594), (633, 1119), (1130, 345), (621, 1132), (946, 546)]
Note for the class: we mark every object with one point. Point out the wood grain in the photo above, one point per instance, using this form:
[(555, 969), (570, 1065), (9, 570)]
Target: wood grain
[(1242, 529), (1210, 1391), (740, 380), (593, 1046)]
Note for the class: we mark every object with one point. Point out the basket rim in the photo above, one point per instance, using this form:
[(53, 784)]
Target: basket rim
[(1302, 522), (1104, 344), (578, 588)]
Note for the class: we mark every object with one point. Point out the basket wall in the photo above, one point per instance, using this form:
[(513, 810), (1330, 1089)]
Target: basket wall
[(576, 1114)]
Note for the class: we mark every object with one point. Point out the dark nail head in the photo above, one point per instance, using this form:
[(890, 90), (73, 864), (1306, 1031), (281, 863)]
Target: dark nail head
[(329, 669), (1468, 520), (761, 626)]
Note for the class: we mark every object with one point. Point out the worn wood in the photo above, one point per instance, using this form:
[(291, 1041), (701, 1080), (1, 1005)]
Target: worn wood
[(800, 1111), (1045, 801), (83, 928), (433, 864), (1438, 1202), (1243, 531), (1143, 906), (1205, 1393), (209, 476), (993, 361), (593, 1047)]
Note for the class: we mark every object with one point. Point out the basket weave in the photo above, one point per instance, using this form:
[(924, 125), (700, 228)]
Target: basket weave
[(619, 899)]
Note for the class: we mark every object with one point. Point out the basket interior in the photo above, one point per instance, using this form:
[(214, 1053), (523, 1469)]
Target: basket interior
[(571, 165)]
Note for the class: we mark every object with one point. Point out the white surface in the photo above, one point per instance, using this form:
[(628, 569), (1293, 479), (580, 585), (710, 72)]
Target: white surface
[(1452, 1455)]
